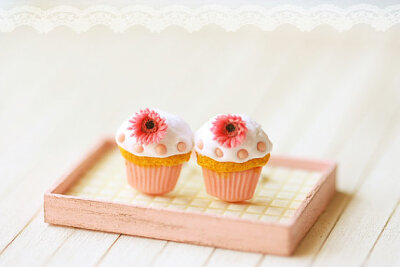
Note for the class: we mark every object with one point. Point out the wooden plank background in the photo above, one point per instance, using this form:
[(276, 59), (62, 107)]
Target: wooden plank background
[(320, 94)]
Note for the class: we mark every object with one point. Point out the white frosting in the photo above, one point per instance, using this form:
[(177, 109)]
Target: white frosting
[(178, 131), (254, 135)]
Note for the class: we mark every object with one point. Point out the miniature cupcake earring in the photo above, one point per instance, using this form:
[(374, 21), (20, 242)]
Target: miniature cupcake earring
[(232, 149), (154, 144)]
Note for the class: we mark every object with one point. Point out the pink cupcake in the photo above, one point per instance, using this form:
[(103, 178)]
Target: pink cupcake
[(232, 149), (154, 144)]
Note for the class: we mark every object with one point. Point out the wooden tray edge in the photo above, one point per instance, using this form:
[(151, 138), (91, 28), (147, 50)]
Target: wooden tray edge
[(282, 239)]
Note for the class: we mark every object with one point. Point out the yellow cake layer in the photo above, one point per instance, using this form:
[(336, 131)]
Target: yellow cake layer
[(217, 166), (151, 161)]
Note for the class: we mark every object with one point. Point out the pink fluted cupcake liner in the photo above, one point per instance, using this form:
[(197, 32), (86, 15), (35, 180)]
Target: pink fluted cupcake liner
[(232, 186), (153, 180)]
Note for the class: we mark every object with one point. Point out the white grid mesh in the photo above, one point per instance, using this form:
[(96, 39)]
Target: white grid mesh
[(279, 193)]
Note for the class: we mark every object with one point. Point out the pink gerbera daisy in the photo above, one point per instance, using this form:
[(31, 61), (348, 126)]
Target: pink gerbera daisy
[(229, 130), (148, 127)]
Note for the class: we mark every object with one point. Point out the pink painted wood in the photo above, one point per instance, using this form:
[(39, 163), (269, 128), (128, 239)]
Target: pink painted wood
[(189, 227)]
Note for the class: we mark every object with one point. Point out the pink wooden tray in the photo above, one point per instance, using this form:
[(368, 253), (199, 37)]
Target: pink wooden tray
[(290, 196)]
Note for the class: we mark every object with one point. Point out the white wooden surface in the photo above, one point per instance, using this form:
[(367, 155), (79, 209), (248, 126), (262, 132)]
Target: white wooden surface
[(321, 94)]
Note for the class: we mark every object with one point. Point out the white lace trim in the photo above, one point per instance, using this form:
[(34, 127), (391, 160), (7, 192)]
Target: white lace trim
[(193, 19)]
